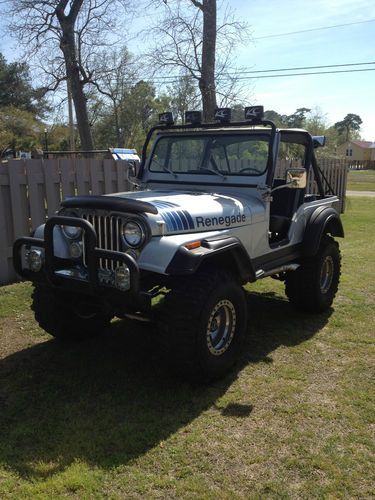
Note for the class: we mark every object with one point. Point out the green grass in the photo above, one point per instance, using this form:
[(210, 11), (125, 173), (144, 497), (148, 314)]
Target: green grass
[(361, 180), (104, 418)]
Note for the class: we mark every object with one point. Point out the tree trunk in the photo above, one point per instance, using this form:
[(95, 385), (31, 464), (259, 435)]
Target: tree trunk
[(207, 79), (67, 46)]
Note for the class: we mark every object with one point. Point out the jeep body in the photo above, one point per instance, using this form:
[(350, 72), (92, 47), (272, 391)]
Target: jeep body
[(209, 199)]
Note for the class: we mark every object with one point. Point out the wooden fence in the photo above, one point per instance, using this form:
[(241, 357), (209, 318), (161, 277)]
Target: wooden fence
[(31, 191), (334, 175), (361, 164)]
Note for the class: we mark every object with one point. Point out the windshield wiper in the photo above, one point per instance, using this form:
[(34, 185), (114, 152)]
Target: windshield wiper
[(211, 170), (166, 169)]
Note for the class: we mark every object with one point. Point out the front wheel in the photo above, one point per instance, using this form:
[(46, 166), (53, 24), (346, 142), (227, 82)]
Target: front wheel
[(203, 325), (313, 286), (67, 316)]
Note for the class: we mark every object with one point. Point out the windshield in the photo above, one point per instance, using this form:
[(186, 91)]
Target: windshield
[(235, 154)]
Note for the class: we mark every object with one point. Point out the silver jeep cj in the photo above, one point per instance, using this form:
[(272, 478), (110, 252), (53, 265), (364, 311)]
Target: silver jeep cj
[(212, 212)]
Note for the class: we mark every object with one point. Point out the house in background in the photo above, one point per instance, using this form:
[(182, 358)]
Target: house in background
[(357, 150)]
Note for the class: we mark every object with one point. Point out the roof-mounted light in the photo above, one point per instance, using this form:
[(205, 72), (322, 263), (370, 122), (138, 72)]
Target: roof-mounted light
[(166, 118), (223, 115), (254, 113), (193, 117)]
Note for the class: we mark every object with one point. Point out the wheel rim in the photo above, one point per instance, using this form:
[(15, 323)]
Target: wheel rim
[(326, 274), (221, 327)]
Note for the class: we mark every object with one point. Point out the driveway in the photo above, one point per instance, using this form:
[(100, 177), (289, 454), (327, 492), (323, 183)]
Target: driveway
[(371, 194)]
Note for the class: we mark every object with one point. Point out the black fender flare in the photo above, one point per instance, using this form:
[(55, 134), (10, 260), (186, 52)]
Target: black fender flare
[(228, 249), (324, 220)]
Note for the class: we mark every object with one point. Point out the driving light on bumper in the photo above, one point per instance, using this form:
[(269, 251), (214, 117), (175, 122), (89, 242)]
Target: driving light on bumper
[(35, 259), (76, 249), (122, 278)]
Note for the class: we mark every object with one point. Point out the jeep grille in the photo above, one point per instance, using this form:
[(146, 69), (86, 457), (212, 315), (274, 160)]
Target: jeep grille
[(108, 231)]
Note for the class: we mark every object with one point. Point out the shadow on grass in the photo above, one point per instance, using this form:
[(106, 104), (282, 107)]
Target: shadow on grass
[(109, 400)]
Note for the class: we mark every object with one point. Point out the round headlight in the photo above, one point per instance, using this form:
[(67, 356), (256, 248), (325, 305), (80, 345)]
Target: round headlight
[(133, 234), (72, 232)]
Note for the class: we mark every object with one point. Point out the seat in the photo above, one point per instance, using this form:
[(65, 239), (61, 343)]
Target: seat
[(283, 206)]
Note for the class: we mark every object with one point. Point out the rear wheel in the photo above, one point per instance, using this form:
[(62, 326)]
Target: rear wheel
[(67, 316), (313, 286), (203, 325)]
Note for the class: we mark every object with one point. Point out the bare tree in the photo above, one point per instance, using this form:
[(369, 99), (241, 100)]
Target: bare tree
[(183, 95), (78, 28), (116, 73), (191, 39)]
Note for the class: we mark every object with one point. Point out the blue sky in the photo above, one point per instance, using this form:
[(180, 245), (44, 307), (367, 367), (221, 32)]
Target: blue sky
[(335, 94)]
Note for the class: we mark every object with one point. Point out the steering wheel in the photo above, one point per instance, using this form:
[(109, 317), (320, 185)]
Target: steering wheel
[(250, 169)]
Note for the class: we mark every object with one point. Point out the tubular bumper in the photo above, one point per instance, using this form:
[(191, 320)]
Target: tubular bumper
[(89, 285)]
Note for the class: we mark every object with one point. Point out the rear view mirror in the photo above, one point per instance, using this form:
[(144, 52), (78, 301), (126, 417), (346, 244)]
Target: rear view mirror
[(296, 178)]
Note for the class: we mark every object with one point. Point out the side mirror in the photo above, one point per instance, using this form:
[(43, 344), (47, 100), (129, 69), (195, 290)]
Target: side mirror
[(318, 141), (296, 178), (132, 169)]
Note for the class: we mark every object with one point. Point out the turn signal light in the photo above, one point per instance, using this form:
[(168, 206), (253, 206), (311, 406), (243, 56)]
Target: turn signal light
[(192, 245)]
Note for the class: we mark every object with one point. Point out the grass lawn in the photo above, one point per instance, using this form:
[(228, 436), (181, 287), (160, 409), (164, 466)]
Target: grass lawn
[(361, 180), (104, 418)]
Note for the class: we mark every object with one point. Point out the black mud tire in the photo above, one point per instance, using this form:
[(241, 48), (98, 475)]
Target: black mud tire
[(313, 286), (197, 344), (64, 315)]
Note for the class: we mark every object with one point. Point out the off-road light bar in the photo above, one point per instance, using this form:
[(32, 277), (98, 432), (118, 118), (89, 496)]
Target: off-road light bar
[(223, 115), (166, 118), (254, 113), (194, 117)]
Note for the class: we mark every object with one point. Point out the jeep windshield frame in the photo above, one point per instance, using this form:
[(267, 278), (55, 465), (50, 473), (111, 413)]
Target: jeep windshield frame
[(221, 153), (264, 127)]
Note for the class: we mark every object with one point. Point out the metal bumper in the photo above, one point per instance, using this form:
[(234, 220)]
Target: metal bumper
[(52, 264)]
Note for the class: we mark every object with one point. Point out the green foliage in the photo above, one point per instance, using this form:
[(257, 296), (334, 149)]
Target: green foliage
[(136, 113), (348, 127), (16, 89), (297, 119), (19, 129), (183, 96), (314, 121), (58, 137)]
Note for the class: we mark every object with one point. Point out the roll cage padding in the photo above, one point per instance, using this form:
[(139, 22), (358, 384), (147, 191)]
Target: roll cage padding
[(228, 248), (322, 221)]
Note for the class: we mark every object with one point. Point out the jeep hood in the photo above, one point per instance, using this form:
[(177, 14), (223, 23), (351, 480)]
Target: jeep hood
[(193, 211)]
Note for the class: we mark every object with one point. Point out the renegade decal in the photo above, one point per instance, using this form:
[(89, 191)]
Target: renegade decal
[(227, 221)]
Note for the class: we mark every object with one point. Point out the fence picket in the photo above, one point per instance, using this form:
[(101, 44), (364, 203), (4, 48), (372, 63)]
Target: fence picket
[(7, 273), (37, 199), (19, 202), (52, 183), (83, 176), (67, 174), (110, 180), (97, 177)]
